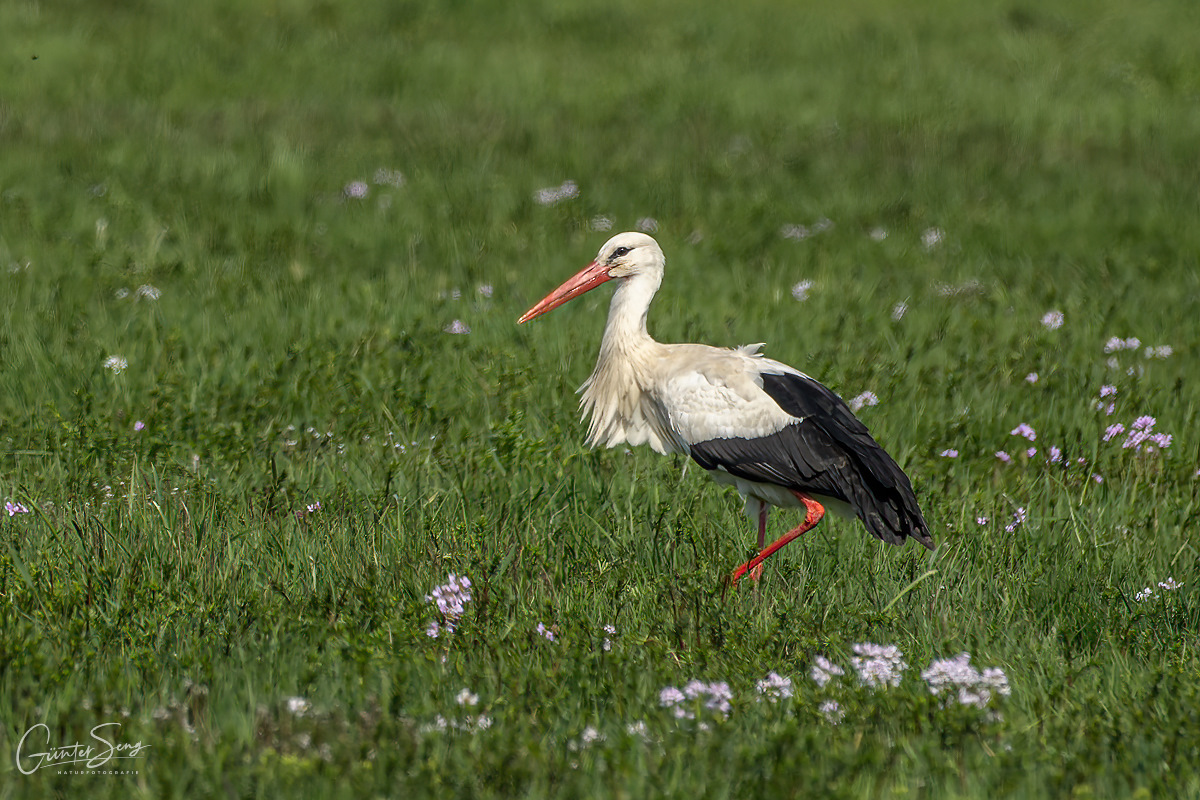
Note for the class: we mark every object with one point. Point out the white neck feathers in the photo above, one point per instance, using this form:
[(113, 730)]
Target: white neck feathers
[(614, 397)]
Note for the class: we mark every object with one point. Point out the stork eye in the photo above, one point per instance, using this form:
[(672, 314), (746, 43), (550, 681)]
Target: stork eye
[(621, 251)]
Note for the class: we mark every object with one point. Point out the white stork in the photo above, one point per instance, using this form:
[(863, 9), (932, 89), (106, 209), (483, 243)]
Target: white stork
[(776, 434)]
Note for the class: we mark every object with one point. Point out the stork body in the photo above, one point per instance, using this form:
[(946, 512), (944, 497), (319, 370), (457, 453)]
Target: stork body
[(778, 436)]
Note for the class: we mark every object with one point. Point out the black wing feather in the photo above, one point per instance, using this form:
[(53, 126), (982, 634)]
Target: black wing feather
[(829, 453)]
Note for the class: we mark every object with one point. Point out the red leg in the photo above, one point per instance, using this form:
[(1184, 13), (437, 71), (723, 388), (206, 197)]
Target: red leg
[(757, 572), (815, 512)]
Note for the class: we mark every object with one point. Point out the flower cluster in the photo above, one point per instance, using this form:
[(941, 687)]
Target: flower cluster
[(1018, 519), (451, 599), (468, 724), (863, 400), (1169, 585), (1053, 320), (774, 687), (12, 509), (801, 289), (1026, 431), (824, 670), (1116, 343), (546, 633), (552, 195), (878, 665), (974, 688), (713, 696), (1142, 435), (832, 711)]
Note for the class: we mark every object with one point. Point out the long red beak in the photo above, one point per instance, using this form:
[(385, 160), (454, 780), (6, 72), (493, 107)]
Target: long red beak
[(585, 280)]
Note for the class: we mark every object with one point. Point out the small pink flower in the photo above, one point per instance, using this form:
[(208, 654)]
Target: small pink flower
[(1026, 431), (1053, 320)]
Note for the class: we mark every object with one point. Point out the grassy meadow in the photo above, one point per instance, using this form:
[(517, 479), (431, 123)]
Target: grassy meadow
[(262, 391)]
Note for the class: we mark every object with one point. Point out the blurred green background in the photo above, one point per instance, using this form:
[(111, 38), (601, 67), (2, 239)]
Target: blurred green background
[(275, 214)]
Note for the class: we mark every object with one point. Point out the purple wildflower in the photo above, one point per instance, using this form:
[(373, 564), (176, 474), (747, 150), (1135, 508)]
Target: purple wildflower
[(1019, 517), (715, 696), (1112, 431), (832, 711), (15, 508), (878, 666), (1117, 343), (1031, 377), (356, 190), (863, 400), (1024, 430), (975, 688), (801, 289), (451, 599), (1053, 319), (824, 670), (775, 687), (951, 453), (1107, 391), (1003, 456)]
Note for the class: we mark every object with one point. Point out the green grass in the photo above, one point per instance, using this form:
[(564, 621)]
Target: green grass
[(165, 580)]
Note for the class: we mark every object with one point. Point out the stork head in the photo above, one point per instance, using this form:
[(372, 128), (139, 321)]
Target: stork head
[(624, 256)]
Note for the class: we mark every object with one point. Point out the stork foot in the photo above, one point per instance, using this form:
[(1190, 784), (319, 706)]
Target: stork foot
[(755, 565)]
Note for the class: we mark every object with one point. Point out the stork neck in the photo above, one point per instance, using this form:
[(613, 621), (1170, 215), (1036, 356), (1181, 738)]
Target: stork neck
[(626, 326)]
